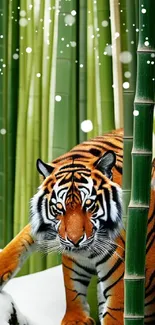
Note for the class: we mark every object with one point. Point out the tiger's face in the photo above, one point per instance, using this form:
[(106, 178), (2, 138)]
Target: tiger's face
[(77, 207)]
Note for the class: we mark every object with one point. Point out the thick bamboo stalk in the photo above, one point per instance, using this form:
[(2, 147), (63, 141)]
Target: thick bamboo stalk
[(3, 118), (141, 165), (129, 76)]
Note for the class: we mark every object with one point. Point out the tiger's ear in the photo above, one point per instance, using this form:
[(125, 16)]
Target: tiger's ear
[(43, 168), (106, 163)]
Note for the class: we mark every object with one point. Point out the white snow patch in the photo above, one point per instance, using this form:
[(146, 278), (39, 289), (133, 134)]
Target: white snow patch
[(40, 297)]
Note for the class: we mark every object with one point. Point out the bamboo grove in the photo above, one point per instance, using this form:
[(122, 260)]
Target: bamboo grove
[(67, 73)]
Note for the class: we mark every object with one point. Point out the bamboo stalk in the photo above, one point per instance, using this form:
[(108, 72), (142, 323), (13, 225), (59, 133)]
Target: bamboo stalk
[(141, 164), (82, 68), (63, 107), (129, 70), (13, 81), (117, 69), (3, 117), (37, 263), (91, 90)]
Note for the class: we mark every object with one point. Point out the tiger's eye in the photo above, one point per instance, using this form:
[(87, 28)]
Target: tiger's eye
[(59, 206), (88, 202)]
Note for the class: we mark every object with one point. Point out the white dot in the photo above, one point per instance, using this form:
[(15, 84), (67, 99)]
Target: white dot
[(58, 98), (1, 36), (152, 62), (104, 23), (73, 12), (69, 19), (62, 38), (137, 30), (73, 44), (23, 22), (125, 57), (30, 6), (3, 131), (143, 11), (86, 126), (146, 43), (38, 75), (67, 45), (97, 29), (148, 62), (127, 74), (116, 35), (4, 65), (126, 85), (152, 55), (28, 50), (135, 112), (108, 50), (92, 36), (81, 65), (22, 13)]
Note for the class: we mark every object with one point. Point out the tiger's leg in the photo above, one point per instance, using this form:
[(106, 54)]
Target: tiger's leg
[(110, 272), (14, 255), (76, 280)]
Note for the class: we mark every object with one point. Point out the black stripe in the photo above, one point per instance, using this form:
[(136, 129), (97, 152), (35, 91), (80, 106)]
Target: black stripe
[(112, 270), (81, 281), (149, 234), (107, 313), (150, 281), (119, 169), (76, 272), (112, 285), (85, 268), (151, 217), (149, 292), (151, 242), (105, 258)]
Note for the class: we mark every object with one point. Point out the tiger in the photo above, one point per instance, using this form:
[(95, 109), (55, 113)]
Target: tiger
[(77, 211)]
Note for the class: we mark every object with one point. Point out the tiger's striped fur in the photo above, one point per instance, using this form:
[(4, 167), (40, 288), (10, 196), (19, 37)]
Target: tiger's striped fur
[(77, 211)]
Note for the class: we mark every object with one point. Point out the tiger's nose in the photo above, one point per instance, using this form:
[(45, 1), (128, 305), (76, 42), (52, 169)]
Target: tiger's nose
[(75, 242)]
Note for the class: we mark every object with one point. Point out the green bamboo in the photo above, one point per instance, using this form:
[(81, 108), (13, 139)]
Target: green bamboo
[(82, 68), (65, 56), (62, 121), (65, 109), (12, 95), (116, 63), (104, 62), (128, 97), (37, 263), (91, 89), (141, 166), (3, 116)]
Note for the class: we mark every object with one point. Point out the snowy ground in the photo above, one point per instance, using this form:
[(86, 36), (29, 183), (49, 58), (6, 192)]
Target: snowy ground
[(40, 297)]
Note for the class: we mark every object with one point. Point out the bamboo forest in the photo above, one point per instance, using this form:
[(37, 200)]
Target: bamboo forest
[(73, 72)]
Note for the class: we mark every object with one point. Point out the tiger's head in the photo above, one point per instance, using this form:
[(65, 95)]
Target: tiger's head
[(78, 206)]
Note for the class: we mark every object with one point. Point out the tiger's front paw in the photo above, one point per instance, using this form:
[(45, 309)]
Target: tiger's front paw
[(75, 319)]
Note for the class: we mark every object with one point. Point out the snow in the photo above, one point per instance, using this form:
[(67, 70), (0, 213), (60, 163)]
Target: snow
[(40, 297)]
